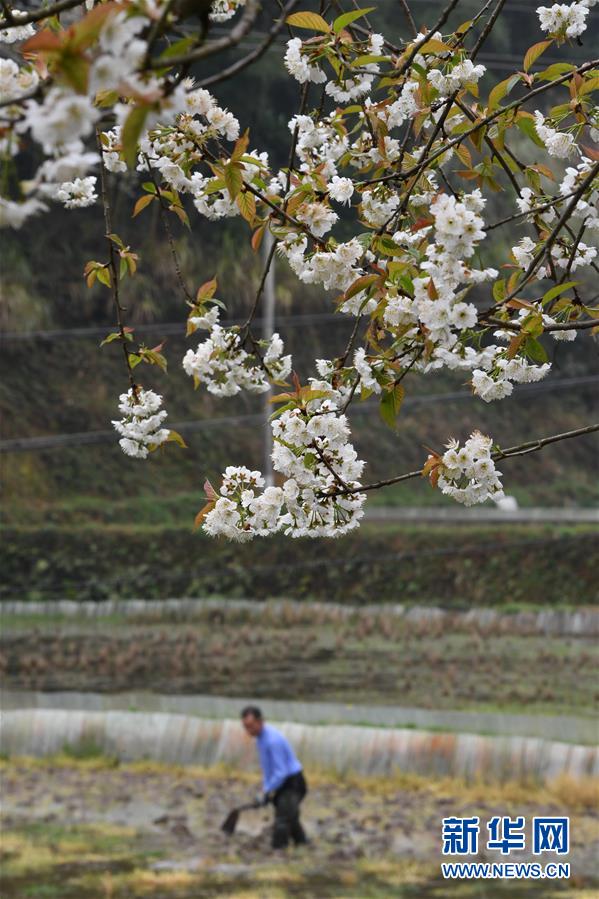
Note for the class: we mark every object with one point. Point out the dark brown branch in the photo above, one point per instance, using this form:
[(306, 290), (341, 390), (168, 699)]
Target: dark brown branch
[(37, 15), (253, 310), (409, 16), (546, 248), (234, 37), (256, 54), (559, 326), (169, 234), (487, 30), (521, 449), (534, 211), (515, 104), (112, 265)]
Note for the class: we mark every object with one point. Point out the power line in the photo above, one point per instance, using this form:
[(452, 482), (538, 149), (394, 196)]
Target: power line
[(166, 328), (60, 441)]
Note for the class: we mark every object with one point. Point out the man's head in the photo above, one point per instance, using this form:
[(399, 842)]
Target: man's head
[(251, 718)]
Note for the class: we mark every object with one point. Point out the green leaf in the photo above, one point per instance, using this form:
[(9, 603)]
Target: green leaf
[(532, 325), (391, 404), (533, 53), (131, 133), (179, 47), (554, 292), (362, 283), (501, 90), (214, 185), (74, 69), (349, 17), (527, 126), (233, 179), (207, 290), (114, 336), (246, 203), (535, 350), (499, 292), (554, 71), (309, 20), (118, 241), (175, 437), (240, 146), (367, 59), (103, 276), (153, 357), (434, 46), (142, 203)]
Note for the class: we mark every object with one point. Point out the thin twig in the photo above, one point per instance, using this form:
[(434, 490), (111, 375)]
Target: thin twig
[(112, 264), (234, 37), (256, 54), (169, 233), (520, 450), (515, 104), (267, 265), (558, 326), (37, 15), (409, 16)]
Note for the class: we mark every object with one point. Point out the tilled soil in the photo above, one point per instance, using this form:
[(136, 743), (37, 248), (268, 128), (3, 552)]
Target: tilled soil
[(424, 669), (83, 830)]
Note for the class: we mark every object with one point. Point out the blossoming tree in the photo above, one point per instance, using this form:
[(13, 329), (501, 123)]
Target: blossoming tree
[(399, 143)]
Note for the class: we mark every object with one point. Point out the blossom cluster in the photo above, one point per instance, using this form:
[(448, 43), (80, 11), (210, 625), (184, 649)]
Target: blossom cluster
[(560, 144), (565, 20), (78, 193), (223, 10), (368, 208), (15, 80), (226, 368), (19, 32), (317, 462), (141, 426), (468, 473)]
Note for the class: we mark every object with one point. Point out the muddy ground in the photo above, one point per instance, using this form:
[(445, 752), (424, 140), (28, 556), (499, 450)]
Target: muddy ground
[(382, 661), (92, 829)]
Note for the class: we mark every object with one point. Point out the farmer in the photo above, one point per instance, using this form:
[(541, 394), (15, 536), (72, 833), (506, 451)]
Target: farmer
[(284, 782)]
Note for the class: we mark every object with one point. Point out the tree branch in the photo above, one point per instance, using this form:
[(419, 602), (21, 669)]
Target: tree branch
[(521, 449), (515, 104), (112, 264), (559, 326), (243, 27), (256, 54), (37, 15)]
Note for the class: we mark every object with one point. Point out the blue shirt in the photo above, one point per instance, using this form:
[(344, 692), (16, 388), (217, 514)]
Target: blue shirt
[(277, 759)]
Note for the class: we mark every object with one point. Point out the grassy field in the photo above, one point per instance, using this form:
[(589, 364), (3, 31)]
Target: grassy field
[(365, 659), (91, 829), (448, 565)]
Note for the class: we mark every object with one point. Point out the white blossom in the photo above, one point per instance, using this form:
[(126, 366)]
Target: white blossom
[(226, 367), (297, 65), (17, 32), (558, 143), (341, 189), (566, 20), (468, 473), (140, 428), (222, 10), (78, 193)]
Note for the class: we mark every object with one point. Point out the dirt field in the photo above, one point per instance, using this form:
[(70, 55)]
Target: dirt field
[(383, 661), (90, 829)]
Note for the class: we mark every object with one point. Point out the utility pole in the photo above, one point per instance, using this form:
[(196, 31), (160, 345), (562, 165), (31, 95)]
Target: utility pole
[(267, 332)]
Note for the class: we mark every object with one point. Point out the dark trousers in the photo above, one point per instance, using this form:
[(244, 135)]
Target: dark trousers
[(287, 801)]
